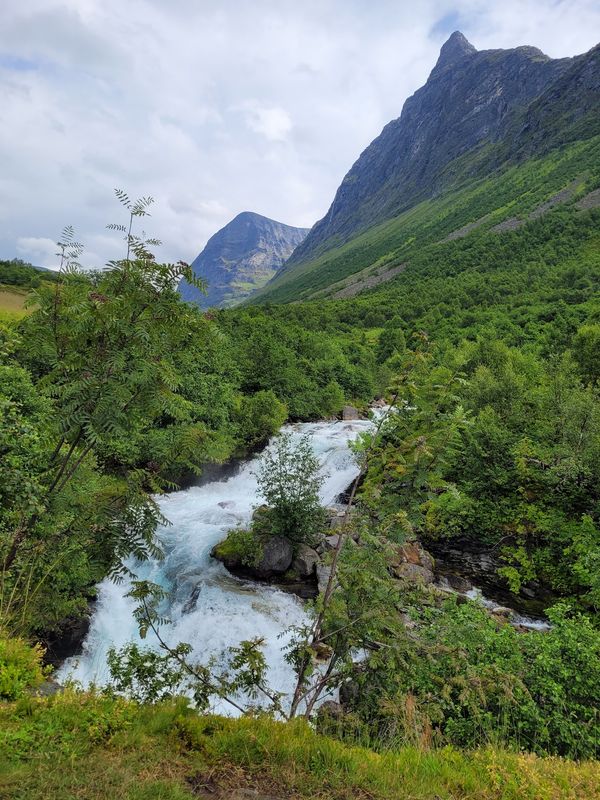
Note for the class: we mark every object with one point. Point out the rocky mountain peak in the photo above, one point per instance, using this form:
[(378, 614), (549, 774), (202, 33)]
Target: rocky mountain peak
[(471, 99), (241, 258), (457, 47)]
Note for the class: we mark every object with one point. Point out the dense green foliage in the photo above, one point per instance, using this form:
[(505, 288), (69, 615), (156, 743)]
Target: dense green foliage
[(21, 668), (459, 676), (309, 372), (18, 273), (501, 449)]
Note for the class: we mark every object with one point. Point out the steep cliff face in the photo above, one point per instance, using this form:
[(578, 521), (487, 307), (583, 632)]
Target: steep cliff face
[(471, 100), (240, 258), (567, 110)]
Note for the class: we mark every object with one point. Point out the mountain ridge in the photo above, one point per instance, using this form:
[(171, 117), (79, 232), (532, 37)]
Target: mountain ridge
[(465, 102), (452, 154)]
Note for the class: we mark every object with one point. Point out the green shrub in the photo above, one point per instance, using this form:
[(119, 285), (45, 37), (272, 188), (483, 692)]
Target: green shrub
[(258, 417), (241, 545), (20, 667), (289, 479)]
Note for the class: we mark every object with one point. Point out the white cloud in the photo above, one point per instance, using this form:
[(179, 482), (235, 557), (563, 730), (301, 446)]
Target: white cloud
[(273, 123), (217, 108), (38, 250)]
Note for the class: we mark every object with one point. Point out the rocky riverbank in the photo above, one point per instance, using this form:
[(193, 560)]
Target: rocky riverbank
[(304, 571)]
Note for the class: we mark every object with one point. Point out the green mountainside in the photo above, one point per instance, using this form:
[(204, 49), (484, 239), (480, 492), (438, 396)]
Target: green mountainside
[(488, 207), (537, 150)]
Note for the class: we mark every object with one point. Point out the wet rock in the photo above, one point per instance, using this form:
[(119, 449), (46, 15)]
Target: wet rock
[(68, 640), (275, 568), (350, 413), (458, 582), (226, 504), (193, 599), (304, 588), (305, 561), (276, 558)]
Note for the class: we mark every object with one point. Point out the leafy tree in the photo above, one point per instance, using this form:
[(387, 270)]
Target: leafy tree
[(289, 479), (586, 351), (103, 350), (410, 454), (258, 417), (391, 340)]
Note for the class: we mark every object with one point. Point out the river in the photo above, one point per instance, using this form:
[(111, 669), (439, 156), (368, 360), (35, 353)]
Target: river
[(209, 609)]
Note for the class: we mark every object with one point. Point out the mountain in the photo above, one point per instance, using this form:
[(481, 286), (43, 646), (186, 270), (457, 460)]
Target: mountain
[(466, 101), (240, 258), (479, 114)]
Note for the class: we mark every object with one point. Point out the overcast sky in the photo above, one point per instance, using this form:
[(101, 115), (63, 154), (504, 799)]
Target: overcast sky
[(217, 107)]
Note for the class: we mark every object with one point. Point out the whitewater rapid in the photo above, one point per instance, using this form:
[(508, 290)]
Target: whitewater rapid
[(208, 608)]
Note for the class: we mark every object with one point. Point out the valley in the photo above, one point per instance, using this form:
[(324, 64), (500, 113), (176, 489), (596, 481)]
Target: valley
[(318, 514)]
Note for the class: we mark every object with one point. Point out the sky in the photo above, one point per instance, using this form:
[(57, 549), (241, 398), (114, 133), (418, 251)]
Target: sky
[(217, 107)]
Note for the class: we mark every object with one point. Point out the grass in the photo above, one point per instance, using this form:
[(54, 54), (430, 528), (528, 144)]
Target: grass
[(12, 304), (90, 747)]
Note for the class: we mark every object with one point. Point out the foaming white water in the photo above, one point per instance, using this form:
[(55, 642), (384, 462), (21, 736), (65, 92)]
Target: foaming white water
[(531, 623), (209, 608)]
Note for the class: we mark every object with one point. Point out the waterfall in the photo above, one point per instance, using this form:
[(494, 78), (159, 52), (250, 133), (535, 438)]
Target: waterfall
[(208, 608)]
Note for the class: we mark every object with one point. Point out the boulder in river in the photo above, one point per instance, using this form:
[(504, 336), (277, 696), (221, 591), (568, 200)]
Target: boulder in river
[(305, 561), (276, 558), (350, 413)]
